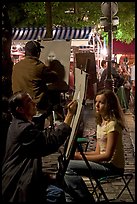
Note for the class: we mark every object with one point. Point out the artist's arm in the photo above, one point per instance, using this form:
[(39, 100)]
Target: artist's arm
[(41, 143), (110, 148), (72, 107)]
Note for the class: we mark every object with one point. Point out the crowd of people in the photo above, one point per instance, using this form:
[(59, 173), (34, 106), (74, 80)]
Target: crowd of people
[(25, 141), (123, 77)]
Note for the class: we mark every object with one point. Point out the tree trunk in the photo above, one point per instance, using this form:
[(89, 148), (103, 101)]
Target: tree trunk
[(75, 8), (7, 63), (48, 8)]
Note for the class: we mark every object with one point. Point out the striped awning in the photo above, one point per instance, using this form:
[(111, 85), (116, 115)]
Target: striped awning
[(59, 33)]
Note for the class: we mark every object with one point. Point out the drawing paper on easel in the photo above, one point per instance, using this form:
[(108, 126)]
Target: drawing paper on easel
[(57, 49), (79, 95)]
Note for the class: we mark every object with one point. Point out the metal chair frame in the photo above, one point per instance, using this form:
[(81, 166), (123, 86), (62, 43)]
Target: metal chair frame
[(126, 178)]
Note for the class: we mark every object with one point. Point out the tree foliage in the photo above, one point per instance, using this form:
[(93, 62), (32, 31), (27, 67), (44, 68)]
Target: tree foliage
[(126, 28), (72, 14)]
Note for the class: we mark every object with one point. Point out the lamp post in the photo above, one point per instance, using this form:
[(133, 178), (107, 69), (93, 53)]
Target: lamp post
[(109, 9)]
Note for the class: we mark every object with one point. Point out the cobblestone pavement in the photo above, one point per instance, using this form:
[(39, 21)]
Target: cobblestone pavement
[(50, 162)]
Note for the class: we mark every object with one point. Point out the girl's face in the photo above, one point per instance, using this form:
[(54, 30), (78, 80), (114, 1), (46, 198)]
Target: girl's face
[(101, 104)]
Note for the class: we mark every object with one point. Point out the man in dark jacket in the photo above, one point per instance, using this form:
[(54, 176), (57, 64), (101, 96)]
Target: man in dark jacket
[(22, 178), (32, 75), (118, 80)]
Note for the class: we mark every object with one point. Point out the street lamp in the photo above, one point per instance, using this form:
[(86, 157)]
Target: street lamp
[(105, 8), (110, 22)]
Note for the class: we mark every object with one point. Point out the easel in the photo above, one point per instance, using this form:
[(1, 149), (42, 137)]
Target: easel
[(81, 79)]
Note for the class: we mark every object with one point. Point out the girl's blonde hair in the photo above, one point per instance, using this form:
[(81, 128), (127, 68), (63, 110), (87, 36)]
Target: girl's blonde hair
[(114, 110)]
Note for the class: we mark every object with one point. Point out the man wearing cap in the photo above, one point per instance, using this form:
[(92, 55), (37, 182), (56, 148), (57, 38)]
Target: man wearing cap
[(32, 75)]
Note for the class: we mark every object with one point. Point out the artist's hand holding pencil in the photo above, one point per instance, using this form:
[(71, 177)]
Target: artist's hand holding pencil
[(71, 107)]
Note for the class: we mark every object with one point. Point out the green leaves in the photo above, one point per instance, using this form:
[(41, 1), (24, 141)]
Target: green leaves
[(72, 14)]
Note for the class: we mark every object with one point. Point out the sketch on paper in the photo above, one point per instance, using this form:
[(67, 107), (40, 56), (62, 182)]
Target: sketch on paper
[(81, 79), (51, 56), (59, 50)]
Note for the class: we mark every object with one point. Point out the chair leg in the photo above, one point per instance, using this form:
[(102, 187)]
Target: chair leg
[(94, 189), (98, 185), (90, 177), (126, 186)]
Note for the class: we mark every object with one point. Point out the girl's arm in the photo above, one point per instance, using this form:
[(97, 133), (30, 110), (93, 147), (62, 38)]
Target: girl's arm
[(96, 152), (110, 148)]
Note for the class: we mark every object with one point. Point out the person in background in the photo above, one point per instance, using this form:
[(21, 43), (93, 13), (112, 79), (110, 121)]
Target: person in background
[(60, 85), (22, 178), (127, 83), (57, 89), (118, 80), (102, 68), (133, 77), (100, 83), (32, 76), (108, 157), (133, 84), (71, 78)]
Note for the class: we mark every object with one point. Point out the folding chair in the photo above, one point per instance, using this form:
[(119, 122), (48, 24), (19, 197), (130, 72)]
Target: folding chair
[(83, 141), (97, 183), (99, 192)]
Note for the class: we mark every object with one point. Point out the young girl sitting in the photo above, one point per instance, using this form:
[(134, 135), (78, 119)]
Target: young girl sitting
[(108, 157)]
